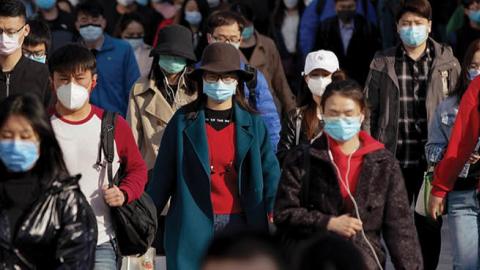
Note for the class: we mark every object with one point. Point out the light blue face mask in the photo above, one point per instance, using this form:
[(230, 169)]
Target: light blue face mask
[(91, 32), (474, 15), (247, 32), (219, 91), (45, 4), (135, 42), (414, 36), (473, 73), (193, 17), (142, 2), (342, 128), (18, 155), (40, 59), (172, 64)]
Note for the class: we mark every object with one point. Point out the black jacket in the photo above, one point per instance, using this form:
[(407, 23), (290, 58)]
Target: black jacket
[(58, 232), (27, 76), (306, 207), (361, 49)]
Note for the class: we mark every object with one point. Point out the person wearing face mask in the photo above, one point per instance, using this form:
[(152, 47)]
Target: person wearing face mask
[(168, 14), (302, 124), (463, 214), (261, 52), (131, 28), (116, 64), (37, 43), (284, 31), (77, 125), (351, 38), (227, 27), (215, 162), (60, 23), (348, 184), (470, 30), (19, 74), (404, 87), (193, 15), (45, 220)]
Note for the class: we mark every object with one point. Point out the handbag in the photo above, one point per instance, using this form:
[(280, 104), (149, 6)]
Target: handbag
[(135, 223), (421, 205)]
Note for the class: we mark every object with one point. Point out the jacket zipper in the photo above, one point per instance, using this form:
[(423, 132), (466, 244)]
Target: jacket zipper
[(8, 83)]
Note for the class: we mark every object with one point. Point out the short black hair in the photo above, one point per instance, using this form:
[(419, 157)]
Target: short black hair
[(72, 58), (242, 245), (13, 8), (221, 18), (39, 34), (125, 21), (421, 8), (90, 7)]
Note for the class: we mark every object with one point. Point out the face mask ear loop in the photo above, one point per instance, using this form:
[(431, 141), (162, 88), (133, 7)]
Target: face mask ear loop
[(346, 185)]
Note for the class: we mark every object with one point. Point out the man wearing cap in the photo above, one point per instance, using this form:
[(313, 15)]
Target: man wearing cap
[(227, 27)]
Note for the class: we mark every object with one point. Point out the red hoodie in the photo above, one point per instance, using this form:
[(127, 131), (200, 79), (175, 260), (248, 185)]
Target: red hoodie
[(463, 139), (368, 145)]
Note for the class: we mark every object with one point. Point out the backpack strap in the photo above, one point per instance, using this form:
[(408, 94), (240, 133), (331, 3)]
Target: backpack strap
[(107, 138), (305, 186), (252, 86), (298, 125)]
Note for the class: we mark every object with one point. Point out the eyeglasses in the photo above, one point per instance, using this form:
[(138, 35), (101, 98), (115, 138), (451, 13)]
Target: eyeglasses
[(226, 78), (231, 39), (10, 33), (33, 53)]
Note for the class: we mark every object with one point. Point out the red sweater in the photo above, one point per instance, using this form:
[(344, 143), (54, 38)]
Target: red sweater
[(368, 145), (462, 142), (223, 175)]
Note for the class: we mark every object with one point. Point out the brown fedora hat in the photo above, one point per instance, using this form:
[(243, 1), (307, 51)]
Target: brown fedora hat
[(221, 58)]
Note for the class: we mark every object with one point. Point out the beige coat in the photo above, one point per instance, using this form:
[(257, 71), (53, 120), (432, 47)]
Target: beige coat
[(149, 113)]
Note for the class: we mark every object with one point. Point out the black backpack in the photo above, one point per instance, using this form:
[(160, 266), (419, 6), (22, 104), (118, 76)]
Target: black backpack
[(135, 223)]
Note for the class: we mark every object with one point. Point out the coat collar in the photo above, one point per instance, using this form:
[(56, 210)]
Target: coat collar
[(259, 54)]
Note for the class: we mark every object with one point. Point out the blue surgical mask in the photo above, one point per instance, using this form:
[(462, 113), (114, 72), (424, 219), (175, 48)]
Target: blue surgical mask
[(142, 2), (473, 73), (248, 32), (172, 64), (18, 155), (45, 4), (414, 36), (219, 91), (40, 59), (342, 128), (135, 42), (91, 32), (474, 15), (193, 17)]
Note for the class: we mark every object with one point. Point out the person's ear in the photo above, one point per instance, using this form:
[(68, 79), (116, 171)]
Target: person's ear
[(26, 30), (103, 23), (429, 26), (209, 38), (77, 25), (94, 81)]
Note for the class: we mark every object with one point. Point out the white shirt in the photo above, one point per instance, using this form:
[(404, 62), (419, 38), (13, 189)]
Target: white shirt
[(346, 32), (290, 30)]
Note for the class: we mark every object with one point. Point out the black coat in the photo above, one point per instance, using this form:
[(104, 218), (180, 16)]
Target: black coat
[(361, 49), (381, 197), (59, 231), (27, 76)]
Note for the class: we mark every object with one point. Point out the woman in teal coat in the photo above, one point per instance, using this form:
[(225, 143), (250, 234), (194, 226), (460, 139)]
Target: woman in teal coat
[(215, 163)]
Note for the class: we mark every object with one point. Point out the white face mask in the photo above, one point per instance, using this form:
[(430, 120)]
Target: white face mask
[(307, 2), (317, 85), (213, 3), (72, 96), (290, 3), (9, 45), (135, 42)]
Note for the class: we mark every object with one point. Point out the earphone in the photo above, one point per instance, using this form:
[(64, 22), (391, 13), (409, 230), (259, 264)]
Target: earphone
[(346, 185)]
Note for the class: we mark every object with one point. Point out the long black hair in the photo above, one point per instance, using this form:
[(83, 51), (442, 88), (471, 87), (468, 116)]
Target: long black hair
[(50, 164), (464, 80), (203, 8)]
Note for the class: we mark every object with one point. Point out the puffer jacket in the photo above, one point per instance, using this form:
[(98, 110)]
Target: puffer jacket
[(306, 207), (382, 91), (59, 231)]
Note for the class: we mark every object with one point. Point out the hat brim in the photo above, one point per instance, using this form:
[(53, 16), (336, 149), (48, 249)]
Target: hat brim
[(242, 74)]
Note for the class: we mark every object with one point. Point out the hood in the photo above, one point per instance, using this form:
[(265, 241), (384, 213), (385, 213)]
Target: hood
[(369, 145)]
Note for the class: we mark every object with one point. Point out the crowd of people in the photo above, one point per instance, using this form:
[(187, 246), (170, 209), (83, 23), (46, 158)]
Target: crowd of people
[(279, 134)]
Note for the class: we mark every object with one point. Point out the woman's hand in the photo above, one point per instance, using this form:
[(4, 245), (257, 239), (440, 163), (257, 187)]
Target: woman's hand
[(435, 206), (113, 196), (344, 225), (474, 157)]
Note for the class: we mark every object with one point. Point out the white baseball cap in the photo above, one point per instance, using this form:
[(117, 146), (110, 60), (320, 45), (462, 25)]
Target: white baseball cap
[(321, 59)]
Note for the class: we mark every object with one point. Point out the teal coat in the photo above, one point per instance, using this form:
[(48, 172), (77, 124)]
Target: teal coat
[(182, 171)]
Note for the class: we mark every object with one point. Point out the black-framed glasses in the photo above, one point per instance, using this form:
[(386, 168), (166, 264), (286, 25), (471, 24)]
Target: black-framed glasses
[(226, 78), (231, 39), (11, 33)]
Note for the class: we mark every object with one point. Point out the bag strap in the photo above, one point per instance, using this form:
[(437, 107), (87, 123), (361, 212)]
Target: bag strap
[(107, 138), (305, 187), (298, 125)]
